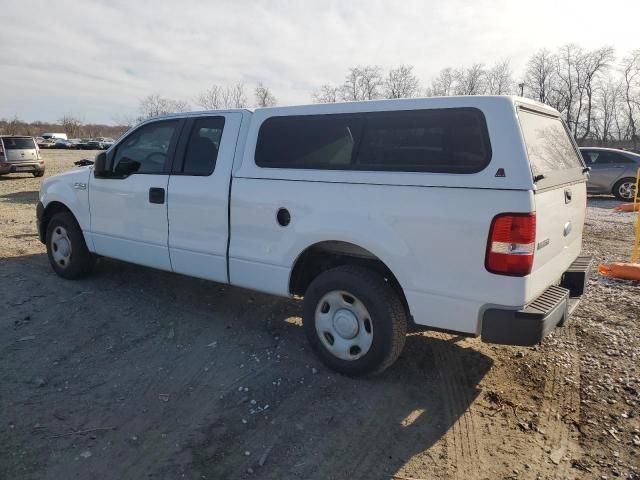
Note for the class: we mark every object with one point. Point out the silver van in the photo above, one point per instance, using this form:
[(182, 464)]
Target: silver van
[(20, 154)]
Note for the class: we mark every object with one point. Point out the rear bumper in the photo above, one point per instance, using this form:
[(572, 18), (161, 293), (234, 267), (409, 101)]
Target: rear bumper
[(529, 325), (21, 167)]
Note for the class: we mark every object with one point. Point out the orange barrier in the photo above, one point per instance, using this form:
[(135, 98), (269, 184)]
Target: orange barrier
[(627, 207), (626, 271)]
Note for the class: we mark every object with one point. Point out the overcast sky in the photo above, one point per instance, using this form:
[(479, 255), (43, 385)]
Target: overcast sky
[(97, 59)]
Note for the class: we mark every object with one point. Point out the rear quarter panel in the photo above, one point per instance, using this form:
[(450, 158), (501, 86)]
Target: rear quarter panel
[(432, 238)]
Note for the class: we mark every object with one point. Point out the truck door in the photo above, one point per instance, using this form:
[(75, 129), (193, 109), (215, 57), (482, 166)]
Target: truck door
[(198, 207), (129, 207)]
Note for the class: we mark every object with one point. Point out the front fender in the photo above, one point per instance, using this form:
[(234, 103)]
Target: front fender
[(70, 189)]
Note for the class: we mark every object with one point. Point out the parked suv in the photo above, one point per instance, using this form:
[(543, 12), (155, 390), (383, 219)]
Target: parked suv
[(612, 171), (462, 214), (20, 155)]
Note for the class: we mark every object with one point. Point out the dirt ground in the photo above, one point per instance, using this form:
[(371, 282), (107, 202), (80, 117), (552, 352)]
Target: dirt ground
[(134, 373)]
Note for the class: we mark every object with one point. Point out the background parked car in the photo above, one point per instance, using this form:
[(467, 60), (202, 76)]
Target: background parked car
[(612, 171), (45, 142), (54, 136), (20, 154), (62, 143), (100, 143)]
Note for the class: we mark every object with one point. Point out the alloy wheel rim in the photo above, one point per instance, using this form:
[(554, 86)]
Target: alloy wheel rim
[(627, 190), (344, 325)]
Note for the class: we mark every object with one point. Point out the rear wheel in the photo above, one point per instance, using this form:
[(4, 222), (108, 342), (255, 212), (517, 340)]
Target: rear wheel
[(354, 320), (625, 189), (66, 249), (38, 174)]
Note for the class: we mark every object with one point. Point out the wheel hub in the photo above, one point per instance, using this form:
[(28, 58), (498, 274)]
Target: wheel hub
[(345, 324), (61, 248), (64, 247)]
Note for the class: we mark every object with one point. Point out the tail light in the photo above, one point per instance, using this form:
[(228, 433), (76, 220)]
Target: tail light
[(511, 244), (38, 156)]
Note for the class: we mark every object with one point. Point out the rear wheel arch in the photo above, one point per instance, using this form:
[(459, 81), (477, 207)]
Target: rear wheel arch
[(329, 254)]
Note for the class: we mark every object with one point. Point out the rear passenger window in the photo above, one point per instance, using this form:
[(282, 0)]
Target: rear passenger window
[(435, 140), (202, 149)]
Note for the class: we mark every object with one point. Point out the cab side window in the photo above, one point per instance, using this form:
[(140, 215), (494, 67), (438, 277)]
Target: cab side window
[(146, 149), (202, 149)]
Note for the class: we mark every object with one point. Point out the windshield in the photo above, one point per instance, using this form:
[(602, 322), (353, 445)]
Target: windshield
[(18, 143)]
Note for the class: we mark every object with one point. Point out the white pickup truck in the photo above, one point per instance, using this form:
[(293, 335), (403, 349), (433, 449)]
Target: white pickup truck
[(463, 214)]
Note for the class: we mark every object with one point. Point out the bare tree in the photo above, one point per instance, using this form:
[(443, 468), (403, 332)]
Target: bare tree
[(12, 127), (470, 81), (154, 105), (71, 125), (592, 65), (540, 74), (443, 84), (498, 79), (327, 93), (362, 83), (630, 90), (234, 96), (264, 97), (210, 99), (607, 98), (400, 82), (124, 120), (567, 72), (219, 97)]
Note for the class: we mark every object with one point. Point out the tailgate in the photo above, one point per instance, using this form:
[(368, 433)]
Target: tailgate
[(559, 220), (560, 197)]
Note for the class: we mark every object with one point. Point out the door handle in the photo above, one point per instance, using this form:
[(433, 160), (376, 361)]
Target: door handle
[(156, 195)]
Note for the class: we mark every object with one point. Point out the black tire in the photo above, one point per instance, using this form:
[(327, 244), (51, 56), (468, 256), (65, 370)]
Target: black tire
[(620, 184), (387, 312), (39, 174), (80, 261)]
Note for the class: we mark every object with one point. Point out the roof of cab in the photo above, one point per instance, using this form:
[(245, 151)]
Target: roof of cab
[(373, 105)]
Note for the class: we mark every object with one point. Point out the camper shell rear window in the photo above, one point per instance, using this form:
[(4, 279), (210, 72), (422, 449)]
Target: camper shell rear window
[(452, 140), (548, 143)]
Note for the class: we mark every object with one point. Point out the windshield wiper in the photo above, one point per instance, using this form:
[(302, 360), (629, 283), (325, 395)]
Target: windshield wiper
[(537, 178)]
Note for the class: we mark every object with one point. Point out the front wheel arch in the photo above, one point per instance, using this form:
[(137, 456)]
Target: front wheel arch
[(50, 210)]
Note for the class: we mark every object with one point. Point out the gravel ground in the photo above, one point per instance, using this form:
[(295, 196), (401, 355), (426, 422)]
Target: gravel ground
[(135, 373)]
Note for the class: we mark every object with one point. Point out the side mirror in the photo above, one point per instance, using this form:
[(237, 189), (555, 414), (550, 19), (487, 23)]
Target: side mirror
[(100, 166), (126, 167)]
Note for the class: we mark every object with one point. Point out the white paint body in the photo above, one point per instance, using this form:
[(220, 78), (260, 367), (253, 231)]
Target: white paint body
[(429, 229)]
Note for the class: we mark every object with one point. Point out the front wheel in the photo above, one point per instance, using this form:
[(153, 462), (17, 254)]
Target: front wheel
[(625, 189), (66, 249), (354, 320)]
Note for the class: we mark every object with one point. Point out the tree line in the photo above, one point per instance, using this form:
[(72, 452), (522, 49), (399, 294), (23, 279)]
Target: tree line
[(72, 126), (596, 91)]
